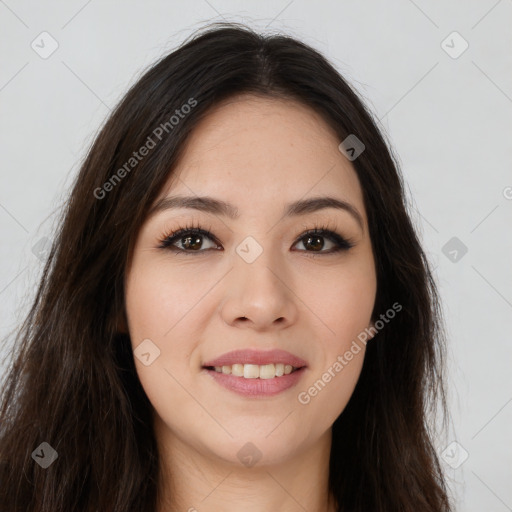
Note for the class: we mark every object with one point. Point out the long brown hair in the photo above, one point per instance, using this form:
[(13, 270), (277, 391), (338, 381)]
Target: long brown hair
[(72, 382)]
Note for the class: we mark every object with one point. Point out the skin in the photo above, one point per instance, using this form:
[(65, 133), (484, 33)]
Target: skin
[(258, 154)]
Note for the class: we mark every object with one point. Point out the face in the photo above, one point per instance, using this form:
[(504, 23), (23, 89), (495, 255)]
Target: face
[(258, 284)]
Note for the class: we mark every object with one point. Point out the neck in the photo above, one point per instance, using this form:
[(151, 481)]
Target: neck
[(195, 481)]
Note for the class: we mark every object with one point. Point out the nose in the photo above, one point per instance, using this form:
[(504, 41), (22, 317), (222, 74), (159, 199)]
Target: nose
[(259, 296)]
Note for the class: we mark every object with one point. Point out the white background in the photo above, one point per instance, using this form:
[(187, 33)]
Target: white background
[(448, 119)]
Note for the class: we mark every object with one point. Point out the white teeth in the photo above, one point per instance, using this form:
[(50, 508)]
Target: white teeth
[(237, 370), (251, 371), (254, 371), (267, 371)]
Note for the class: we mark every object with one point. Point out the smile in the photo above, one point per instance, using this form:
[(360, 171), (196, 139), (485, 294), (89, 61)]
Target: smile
[(254, 371)]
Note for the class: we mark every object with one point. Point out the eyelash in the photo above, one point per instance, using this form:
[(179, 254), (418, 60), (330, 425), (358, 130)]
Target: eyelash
[(342, 244)]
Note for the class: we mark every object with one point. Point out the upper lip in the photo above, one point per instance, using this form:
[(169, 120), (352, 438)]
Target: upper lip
[(259, 357)]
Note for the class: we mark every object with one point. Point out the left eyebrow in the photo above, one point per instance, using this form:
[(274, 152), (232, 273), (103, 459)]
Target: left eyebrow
[(218, 207), (319, 203)]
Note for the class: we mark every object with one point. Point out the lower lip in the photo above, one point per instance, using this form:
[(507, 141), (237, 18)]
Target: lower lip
[(257, 387)]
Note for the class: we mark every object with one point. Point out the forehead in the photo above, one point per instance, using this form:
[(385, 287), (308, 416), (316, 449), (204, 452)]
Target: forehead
[(259, 149)]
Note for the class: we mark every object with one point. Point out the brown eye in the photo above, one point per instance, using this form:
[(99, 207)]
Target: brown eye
[(191, 240), (314, 241)]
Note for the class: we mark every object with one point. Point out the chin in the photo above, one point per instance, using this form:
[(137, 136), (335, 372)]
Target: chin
[(253, 449)]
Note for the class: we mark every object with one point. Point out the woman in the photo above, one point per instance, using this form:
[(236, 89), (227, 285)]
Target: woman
[(236, 311)]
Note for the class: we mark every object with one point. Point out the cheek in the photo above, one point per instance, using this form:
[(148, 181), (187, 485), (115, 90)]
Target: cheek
[(160, 298), (333, 377), (343, 299), (348, 312), (162, 306), (327, 393)]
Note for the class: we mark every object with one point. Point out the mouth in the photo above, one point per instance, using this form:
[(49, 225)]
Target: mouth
[(256, 373)]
